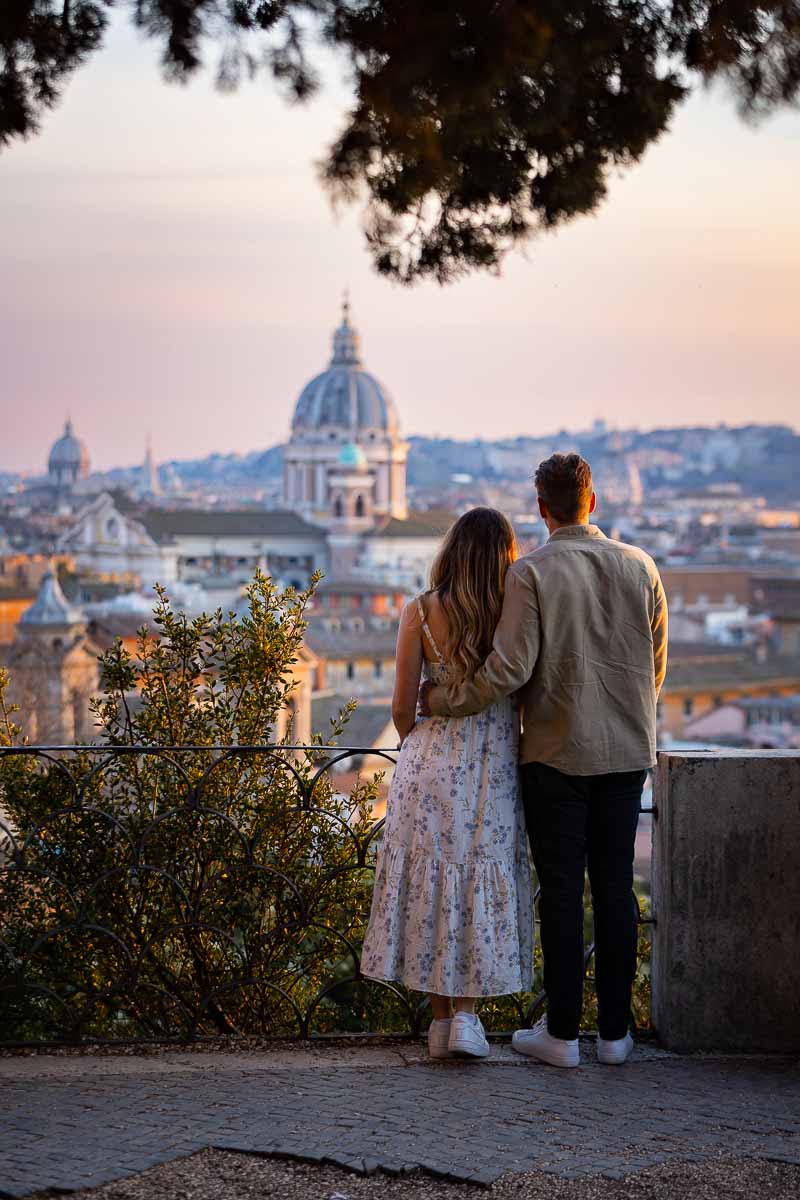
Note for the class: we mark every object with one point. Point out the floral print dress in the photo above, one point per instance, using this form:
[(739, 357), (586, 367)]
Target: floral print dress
[(452, 909)]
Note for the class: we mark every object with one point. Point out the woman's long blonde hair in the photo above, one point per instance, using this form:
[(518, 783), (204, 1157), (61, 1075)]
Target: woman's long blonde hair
[(469, 575)]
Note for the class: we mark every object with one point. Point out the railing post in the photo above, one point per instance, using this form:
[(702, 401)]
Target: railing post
[(726, 898)]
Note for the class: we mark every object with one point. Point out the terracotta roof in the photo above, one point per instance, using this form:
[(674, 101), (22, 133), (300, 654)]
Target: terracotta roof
[(733, 673)]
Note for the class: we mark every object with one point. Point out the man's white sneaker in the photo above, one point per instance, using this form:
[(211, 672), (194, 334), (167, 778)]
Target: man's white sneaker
[(539, 1043), (467, 1037), (438, 1037), (614, 1053)]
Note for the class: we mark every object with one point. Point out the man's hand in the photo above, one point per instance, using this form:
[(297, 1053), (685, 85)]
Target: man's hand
[(424, 693)]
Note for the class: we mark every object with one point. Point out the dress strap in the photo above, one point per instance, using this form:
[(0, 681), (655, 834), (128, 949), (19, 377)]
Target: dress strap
[(427, 630)]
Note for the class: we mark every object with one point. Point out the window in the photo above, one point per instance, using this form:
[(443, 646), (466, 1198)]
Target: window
[(360, 506), (351, 670), (338, 508), (688, 706), (378, 668), (718, 702)]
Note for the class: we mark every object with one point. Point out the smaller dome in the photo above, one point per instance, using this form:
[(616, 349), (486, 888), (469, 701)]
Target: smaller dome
[(69, 454), (352, 457)]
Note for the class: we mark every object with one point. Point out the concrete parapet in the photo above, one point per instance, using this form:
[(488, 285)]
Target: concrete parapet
[(726, 900)]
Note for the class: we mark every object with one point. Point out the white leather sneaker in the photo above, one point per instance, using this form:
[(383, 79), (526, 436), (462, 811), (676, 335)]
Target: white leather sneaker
[(467, 1037), (614, 1053), (438, 1037), (538, 1043)]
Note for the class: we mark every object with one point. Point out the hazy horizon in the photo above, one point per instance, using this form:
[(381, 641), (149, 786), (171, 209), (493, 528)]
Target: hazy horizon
[(172, 265), (544, 435)]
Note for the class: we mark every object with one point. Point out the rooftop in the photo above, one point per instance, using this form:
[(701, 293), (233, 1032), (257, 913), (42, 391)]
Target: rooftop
[(733, 672), (433, 523), (779, 596), (351, 643), (352, 585), (163, 523), (366, 726)]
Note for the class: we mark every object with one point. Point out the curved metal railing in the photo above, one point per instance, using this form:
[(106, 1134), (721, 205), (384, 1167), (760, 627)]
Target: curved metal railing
[(177, 892)]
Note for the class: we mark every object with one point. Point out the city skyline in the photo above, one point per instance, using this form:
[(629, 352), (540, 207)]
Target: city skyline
[(137, 462), (188, 283)]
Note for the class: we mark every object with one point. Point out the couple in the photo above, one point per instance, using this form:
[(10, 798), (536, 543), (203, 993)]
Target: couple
[(537, 679)]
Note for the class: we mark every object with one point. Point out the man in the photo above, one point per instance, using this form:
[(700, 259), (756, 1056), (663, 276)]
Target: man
[(583, 639)]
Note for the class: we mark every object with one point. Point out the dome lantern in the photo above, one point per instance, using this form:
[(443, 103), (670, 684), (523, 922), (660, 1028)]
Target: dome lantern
[(346, 342)]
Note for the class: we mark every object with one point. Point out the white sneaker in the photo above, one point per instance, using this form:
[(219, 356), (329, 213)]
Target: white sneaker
[(467, 1036), (538, 1043), (438, 1037), (614, 1053)]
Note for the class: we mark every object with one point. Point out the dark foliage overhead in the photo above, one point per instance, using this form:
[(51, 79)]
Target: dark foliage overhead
[(473, 124)]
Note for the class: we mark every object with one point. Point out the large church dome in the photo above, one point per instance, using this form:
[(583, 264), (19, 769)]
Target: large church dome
[(345, 399), (345, 462)]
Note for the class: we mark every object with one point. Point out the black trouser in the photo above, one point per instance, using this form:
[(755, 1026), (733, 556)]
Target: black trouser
[(575, 820)]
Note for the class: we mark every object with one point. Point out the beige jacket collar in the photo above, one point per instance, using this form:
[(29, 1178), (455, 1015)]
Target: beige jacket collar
[(576, 531)]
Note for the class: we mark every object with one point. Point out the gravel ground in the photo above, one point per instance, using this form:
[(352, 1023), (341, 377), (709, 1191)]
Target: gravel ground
[(216, 1175)]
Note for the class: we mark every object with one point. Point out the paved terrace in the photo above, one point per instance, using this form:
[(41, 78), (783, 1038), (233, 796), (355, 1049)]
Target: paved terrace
[(77, 1121)]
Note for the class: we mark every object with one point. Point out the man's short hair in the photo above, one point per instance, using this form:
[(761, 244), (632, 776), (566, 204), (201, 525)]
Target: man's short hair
[(564, 483)]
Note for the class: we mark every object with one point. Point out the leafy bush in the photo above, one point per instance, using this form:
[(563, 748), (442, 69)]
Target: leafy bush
[(163, 892)]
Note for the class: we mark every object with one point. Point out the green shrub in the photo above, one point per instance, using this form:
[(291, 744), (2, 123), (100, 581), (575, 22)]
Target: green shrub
[(187, 891)]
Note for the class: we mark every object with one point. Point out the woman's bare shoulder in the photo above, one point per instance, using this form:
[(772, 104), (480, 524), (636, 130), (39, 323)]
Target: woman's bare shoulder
[(433, 604), (436, 616), (409, 617)]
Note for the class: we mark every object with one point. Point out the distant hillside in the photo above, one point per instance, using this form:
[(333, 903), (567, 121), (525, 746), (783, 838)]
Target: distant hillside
[(762, 459)]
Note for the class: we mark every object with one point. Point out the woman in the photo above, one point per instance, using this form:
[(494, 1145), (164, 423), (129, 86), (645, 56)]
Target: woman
[(452, 910)]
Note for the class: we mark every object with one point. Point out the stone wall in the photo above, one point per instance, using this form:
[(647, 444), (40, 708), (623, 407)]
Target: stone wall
[(726, 900)]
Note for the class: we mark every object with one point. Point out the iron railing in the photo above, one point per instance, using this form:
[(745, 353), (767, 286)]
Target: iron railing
[(178, 892)]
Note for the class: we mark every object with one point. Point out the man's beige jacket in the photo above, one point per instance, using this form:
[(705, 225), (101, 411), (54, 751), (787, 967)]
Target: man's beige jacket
[(583, 639)]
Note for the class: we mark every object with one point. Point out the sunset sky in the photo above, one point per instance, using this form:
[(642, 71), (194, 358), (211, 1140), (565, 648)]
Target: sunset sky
[(170, 264)]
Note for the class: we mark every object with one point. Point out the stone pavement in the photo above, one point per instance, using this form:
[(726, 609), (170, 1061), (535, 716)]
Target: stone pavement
[(74, 1122)]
